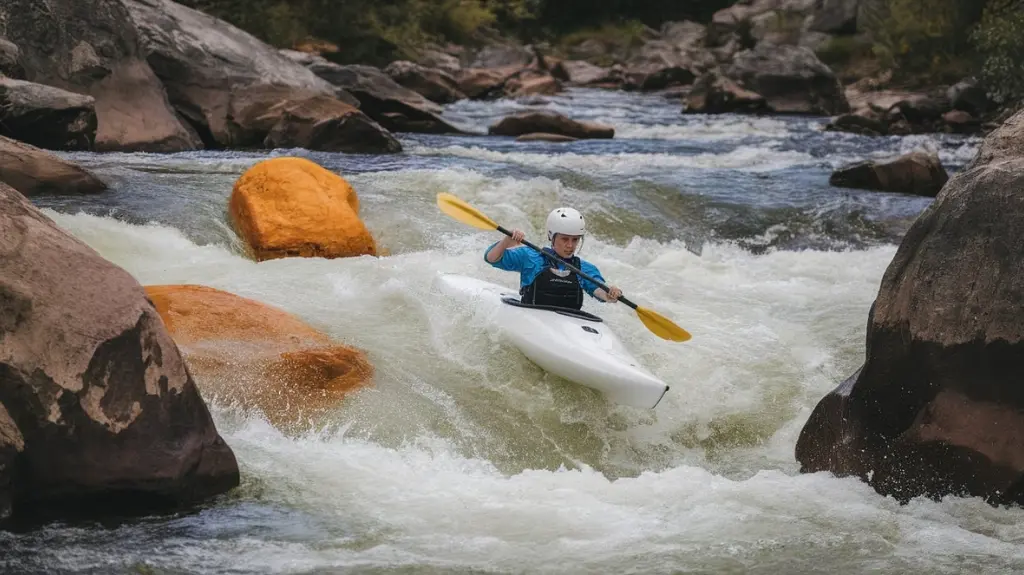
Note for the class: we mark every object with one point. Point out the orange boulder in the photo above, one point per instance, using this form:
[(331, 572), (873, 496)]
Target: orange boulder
[(244, 351), (285, 207)]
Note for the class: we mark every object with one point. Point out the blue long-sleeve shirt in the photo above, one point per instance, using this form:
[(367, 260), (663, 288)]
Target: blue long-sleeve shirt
[(529, 264)]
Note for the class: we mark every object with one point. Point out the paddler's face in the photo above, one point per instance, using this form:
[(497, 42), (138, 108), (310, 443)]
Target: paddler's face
[(565, 246)]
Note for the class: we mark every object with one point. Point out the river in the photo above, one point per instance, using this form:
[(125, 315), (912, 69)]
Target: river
[(466, 458)]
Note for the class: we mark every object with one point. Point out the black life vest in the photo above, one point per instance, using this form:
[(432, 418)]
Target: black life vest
[(554, 287)]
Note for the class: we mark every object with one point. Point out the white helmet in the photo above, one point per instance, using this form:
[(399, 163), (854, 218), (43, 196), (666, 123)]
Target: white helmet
[(566, 221)]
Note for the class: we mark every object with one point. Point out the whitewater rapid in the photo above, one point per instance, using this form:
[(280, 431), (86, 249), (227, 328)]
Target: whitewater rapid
[(465, 457)]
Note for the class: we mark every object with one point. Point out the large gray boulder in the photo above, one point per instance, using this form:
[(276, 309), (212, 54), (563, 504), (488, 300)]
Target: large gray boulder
[(214, 71), (93, 47), (98, 414), (937, 407), (45, 116), (390, 104), (791, 78)]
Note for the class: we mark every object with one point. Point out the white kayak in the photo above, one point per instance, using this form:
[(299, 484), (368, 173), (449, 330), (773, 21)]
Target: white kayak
[(573, 345)]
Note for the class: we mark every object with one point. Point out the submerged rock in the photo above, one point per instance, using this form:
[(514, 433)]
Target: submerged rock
[(549, 123), (248, 352)]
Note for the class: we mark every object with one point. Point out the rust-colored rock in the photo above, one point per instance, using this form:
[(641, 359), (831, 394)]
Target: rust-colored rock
[(257, 355), (98, 414), (287, 207)]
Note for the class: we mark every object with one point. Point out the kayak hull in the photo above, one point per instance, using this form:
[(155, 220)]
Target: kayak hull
[(578, 347)]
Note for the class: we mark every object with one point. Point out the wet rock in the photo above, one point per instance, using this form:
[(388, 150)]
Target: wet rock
[(213, 71), (543, 137), (95, 399), (292, 207), (551, 123), (393, 106), (326, 124), (258, 356), (716, 94), (863, 124), (936, 410), (93, 47), (434, 84), (32, 171), (45, 116), (917, 173), (791, 79)]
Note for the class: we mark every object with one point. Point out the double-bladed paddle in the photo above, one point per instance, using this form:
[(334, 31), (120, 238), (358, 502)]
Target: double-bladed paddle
[(659, 325)]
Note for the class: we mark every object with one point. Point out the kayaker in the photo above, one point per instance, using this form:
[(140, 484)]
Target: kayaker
[(540, 282)]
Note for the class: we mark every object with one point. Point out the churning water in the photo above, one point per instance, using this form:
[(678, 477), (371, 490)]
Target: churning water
[(464, 456)]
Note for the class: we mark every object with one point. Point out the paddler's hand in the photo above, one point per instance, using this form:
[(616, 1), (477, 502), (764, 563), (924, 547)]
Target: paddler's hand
[(613, 294), (516, 239)]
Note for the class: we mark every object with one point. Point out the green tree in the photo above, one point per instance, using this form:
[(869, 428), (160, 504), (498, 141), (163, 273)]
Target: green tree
[(999, 39)]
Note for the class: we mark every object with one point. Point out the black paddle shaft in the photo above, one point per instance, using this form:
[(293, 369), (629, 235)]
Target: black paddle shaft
[(570, 266)]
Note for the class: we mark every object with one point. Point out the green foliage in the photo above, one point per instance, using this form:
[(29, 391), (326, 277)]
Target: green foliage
[(840, 51), (999, 39), (616, 37), (378, 30), (921, 37)]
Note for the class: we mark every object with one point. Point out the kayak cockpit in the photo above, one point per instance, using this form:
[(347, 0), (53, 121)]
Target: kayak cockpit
[(560, 310)]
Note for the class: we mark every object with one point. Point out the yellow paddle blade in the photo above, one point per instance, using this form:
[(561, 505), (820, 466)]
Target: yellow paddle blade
[(661, 326), (464, 212)]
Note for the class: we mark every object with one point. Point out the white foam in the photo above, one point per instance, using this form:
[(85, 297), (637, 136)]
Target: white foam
[(463, 455), (743, 158), (704, 129)]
